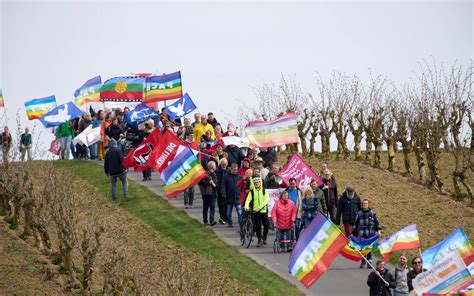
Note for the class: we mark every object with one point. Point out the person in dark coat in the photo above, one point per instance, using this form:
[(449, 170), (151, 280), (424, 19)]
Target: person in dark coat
[(379, 287), (367, 225), (235, 154), (348, 206), (231, 193), (417, 264), (113, 168), (208, 187), (329, 187), (268, 155), (221, 204)]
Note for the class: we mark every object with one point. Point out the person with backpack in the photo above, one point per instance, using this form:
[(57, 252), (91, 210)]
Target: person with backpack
[(296, 195), (257, 202), (348, 206), (367, 225)]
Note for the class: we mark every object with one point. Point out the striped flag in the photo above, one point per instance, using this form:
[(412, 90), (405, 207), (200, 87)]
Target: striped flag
[(123, 89), (39, 107), (163, 87), (89, 92), (315, 250), (280, 131), (2, 102), (405, 239), (356, 245), (183, 172)]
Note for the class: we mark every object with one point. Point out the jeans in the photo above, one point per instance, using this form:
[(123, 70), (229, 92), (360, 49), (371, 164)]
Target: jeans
[(260, 219), (94, 151), (189, 196), (26, 149), (209, 205), (284, 235), (65, 147), (332, 213), (297, 228), (307, 221), (238, 208), (123, 179)]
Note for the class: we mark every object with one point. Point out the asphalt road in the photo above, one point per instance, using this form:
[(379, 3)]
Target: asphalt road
[(344, 277)]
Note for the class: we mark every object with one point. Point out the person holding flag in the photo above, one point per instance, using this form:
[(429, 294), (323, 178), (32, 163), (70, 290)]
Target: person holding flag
[(367, 225), (380, 280)]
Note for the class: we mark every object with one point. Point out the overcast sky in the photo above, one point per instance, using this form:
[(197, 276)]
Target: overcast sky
[(222, 49)]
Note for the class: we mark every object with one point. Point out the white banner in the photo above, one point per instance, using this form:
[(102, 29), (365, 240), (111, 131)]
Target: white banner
[(273, 196), (237, 141), (88, 136)]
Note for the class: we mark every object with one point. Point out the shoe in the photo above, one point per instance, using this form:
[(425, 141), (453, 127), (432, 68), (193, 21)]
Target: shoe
[(149, 178), (230, 225), (265, 242), (259, 244), (186, 207), (368, 266), (213, 223), (191, 206), (144, 179), (362, 264), (205, 223), (221, 221)]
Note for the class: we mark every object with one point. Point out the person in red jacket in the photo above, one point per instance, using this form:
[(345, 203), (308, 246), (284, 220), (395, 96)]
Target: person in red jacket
[(284, 217)]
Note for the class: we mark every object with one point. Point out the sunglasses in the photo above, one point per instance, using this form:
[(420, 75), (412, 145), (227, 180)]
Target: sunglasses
[(417, 262)]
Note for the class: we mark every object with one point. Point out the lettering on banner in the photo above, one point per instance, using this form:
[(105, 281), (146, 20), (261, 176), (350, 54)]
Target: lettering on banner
[(155, 85), (313, 248), (165, 153)]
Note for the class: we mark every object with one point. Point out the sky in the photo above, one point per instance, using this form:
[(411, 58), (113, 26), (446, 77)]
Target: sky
[(223, 50)]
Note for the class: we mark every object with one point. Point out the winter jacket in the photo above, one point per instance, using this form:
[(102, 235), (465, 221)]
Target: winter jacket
[(235, 155), (309, 207), (113, 131), (366, 223), (348, 208), (220, 173), (267, 157), (65, 130), (229, 189), (299, 212), (321, 202), (377, 286), (284, 214), (205, 184), (113, 162), (83, 125), (201, 129), (401, 279), (260, 200), (411, 275), (329, 188), (244, 186), (25, 139), (103, 127), (214, 123)]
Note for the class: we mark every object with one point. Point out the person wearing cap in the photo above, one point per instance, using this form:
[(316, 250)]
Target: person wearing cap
[(263, 171), (258, 197), (329, 187), (113, 168), (201, 128), (348, 206), (212, 120)]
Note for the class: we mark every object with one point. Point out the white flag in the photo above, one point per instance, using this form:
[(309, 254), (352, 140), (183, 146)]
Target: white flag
[(237, 141)]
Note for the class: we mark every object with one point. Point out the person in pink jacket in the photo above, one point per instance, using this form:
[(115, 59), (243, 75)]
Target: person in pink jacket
[(284, 216)]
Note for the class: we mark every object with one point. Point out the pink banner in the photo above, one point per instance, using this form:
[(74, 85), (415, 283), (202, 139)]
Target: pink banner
[(298, 168)]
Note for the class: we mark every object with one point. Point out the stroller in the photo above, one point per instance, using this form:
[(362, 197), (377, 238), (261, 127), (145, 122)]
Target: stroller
[(284, 240)]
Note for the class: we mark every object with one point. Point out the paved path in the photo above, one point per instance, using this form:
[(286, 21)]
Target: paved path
[(343, 277)]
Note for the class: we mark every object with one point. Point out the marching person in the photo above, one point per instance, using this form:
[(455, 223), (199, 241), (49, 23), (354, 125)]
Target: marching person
[(367, 225), (319, 195), (284, 217), (348, 206), (208, 187), (379, 287), (296, 195), (113, 168), (401, 277), (417, 264), (329, 188), (309, 207), (25, 144), (6, 143), (231, 193), (259, 197)]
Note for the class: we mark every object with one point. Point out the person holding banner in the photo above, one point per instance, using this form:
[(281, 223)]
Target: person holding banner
[(417, 264), (380, 280)]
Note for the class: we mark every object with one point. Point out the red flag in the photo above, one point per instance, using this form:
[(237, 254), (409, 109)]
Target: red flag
[(161, 156), (298, 168), (139, 155)]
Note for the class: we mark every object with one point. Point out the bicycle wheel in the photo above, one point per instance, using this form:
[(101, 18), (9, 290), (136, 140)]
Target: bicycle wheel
[(248, 232), (242, 230)]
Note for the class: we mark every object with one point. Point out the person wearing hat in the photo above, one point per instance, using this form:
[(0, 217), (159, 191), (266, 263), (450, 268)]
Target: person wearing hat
[(348, 206), (257, 202), (113, 168), (263, 171)]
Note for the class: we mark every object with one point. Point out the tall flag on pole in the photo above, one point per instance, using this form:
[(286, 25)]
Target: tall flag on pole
[(315, 250), (140, 114), (405, 239), (183, 172), (89, 92), (60, 114), (298, 168), (2, 102), (162, 155), (123, 89), (39, 107), (138, 156), (280, 131), (181, 107), (356, 246), (163, 88), (457, 241)]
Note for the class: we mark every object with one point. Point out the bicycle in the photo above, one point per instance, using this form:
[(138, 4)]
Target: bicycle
[(246, 230)]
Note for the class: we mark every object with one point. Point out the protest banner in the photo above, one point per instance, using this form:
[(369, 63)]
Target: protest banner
[(298, 168), (273, 196)]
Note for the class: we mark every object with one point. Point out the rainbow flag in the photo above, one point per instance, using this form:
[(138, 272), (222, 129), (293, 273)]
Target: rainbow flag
[(457, 241), (364, 246), (316, 249), (123, 89), (39, 107), (405, 239), (280, 131), (162, 88), (89, 92), (2, 102), (183, 172)]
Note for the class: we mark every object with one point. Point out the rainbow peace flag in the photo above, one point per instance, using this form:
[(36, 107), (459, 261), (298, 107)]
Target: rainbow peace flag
[(123, 89), (405, 239), (39, 107), (89, 92), (364, 246), (183, 172), (2, 102), (316, 249), (162, 88), (280, 131)]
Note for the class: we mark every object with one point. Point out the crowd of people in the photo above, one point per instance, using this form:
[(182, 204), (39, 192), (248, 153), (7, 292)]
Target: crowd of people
[(238, 180)]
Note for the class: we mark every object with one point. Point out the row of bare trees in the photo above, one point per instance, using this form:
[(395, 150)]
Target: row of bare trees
[(431, 115)]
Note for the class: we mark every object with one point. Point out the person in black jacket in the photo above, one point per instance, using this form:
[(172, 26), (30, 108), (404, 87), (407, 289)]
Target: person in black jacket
[(417, 264), (208, 187), (379, 286), (221, 204), (113, 168), (329, 187), (348, 206), (235, 154), (231, 193)]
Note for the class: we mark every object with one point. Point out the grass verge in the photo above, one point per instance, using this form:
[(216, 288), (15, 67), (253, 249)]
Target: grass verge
[(187, 232)]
